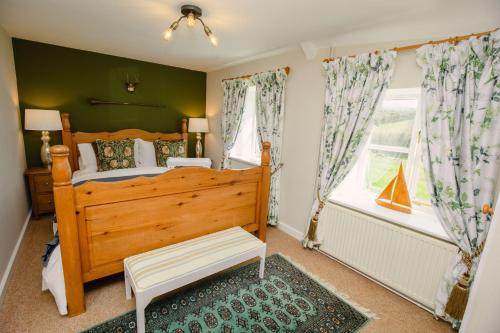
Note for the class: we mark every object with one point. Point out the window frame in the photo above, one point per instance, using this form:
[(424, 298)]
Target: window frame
[(413, 152)]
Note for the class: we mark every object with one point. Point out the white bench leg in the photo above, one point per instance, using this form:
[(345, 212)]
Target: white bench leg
[(128, 289), (262, 263), (140, 306)]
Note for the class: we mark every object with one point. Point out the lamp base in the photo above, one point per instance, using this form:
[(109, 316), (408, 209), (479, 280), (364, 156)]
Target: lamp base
[(199, 147), (45, 155)]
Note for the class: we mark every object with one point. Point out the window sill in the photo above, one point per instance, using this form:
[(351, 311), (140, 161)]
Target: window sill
[(242, 160), (423, 221)]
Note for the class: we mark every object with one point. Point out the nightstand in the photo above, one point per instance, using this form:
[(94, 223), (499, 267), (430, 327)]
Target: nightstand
[(42, 198)]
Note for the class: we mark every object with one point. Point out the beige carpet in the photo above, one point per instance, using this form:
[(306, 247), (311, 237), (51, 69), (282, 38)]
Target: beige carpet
[(27, 309)]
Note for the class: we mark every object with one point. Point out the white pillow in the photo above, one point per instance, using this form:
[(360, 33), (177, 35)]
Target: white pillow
[(189, 162), (137, 157), (87, 160), (147, 156)]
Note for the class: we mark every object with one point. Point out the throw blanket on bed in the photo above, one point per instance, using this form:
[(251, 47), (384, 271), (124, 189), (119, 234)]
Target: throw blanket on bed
[(81, 176), (50, 245)]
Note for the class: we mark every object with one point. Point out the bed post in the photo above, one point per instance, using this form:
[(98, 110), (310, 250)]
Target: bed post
[(184, 132), (64, 199), (265, 161), (67, 138)]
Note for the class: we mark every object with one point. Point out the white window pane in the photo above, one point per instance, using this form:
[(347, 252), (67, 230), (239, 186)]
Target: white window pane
[(393, 123), (393, 140), (246, 147), (421, 192), (382, 166)]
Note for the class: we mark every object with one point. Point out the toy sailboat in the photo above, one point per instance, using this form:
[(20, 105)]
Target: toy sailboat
[(395, 195)]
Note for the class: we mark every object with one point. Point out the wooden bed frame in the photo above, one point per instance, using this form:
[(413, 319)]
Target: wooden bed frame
[(101, 223)]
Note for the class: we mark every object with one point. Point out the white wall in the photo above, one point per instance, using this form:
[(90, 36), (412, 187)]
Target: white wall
[(303, 116), (13, 199)]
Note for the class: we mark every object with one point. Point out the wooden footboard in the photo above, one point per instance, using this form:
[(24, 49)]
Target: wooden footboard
[(101, 223)]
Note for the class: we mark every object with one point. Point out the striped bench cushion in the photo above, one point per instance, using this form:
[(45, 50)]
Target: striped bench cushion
[(158, 266)]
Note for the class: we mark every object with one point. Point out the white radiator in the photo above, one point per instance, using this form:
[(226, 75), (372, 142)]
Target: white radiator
[(406, 261)]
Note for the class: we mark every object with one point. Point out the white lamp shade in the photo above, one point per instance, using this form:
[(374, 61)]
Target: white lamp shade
[(42, 120), (198, 125)]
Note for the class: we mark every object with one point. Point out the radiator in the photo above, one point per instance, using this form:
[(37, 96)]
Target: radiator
[(404, 260)]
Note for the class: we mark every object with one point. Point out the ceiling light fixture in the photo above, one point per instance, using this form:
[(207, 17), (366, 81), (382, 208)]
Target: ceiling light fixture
[(191, 14)]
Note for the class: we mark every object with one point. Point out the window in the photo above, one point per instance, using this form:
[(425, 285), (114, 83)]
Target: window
[(246, 147), (395, 138)]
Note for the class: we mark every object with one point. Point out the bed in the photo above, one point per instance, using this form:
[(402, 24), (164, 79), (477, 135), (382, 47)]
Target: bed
[(100, 222)]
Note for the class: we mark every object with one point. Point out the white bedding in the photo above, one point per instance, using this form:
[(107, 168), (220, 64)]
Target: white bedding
[(84, 175), (53, 278)]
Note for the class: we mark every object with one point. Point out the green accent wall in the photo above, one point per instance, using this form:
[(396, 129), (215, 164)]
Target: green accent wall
[(60, 78)]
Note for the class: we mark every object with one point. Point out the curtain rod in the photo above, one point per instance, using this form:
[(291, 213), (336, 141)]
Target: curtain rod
[(244, 77), (453, 40)]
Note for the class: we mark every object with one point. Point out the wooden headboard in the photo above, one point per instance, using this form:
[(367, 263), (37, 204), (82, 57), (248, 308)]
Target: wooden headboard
[(71, 140)]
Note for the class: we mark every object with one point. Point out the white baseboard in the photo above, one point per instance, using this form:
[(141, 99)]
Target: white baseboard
[(291, 231), (8, 270)]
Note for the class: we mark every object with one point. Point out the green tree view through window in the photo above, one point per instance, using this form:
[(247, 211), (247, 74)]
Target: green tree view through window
[(394, 139)]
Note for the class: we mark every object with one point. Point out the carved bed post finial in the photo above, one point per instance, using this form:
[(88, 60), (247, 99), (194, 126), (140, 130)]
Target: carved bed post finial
[(64, 198), (65, 122), (61, 169), (266, 154), (265, 162), (184, 125)]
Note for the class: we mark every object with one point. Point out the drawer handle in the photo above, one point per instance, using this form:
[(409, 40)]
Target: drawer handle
[(46, 183), (49, 202)]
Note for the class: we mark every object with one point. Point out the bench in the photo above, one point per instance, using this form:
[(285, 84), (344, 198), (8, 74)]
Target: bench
[(157, 272)]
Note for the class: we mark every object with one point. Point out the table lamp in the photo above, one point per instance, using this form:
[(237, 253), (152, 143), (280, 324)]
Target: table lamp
[(198, 126), (45, 121)]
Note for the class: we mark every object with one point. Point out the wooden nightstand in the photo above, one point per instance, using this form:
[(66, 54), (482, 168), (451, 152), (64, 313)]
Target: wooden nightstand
[(42, 198)]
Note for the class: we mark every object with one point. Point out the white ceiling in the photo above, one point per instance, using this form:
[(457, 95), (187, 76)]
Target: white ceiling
[(245, 28)]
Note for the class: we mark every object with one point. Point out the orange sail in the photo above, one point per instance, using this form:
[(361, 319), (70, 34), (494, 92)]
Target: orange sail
[(395, 195)]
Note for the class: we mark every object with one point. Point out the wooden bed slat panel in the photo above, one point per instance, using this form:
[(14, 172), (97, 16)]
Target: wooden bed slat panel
[(118, 230), (174, 181), (119, 215), (117, 266)]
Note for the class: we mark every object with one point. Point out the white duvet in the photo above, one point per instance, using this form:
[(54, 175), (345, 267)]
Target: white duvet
[(53, 278)]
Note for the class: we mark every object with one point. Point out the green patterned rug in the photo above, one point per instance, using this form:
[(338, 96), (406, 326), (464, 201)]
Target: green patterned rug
[(286, 300)]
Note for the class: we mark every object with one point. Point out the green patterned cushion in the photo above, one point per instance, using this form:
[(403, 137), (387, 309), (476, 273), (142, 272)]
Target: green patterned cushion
[(165, 149), (112, 155)]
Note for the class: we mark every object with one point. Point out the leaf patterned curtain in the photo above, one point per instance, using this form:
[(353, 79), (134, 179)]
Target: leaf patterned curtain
[(232, 110), (354, 87), (461, 122), (270, 109)]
